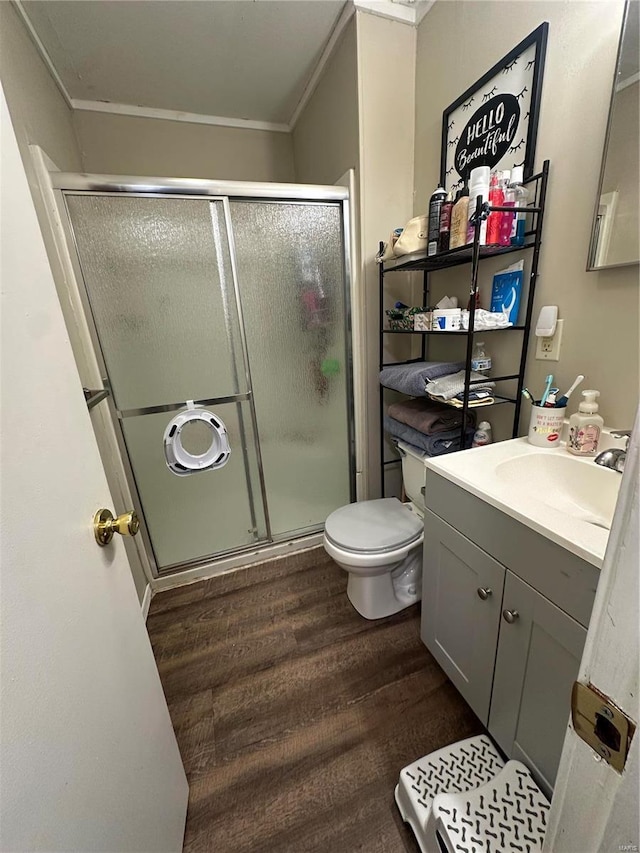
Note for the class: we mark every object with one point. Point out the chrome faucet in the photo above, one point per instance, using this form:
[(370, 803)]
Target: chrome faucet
[(614, 458)]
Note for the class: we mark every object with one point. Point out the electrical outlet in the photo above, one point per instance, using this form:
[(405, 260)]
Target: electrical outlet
[(548, 349)]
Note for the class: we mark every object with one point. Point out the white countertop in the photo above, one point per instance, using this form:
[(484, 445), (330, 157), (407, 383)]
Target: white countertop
[(476, 471)]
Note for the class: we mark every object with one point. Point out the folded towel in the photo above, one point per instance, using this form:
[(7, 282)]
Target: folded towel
[(411, 378), (426, 416), (434, 445), (448, 387), (457, 402)]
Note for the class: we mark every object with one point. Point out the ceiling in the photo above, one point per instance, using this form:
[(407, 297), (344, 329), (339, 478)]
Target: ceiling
[(243, 59)]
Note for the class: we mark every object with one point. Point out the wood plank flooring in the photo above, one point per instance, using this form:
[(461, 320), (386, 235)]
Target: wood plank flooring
[(294, 715)]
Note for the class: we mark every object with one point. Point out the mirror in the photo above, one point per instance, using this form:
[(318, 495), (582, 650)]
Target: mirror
[(615, 236)]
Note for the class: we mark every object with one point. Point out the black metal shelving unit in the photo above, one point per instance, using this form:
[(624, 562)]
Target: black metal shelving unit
[(472, 254)]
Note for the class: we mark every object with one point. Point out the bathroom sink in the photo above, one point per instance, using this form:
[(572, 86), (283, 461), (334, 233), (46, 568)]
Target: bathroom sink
[(568, 499), (571, 486)]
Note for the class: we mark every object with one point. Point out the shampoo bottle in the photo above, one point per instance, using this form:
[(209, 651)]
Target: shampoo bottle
[(444, 236), (459, 217), (585, 426)]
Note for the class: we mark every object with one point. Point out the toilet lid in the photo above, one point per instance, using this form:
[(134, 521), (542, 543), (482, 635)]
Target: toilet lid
[(380, 525)]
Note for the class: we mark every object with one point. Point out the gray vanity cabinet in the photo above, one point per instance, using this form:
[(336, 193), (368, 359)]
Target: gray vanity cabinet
[(480, 568), (461, 610), (539, 651)]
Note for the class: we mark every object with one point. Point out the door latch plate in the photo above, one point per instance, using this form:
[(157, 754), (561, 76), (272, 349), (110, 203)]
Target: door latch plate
[(600, 724)]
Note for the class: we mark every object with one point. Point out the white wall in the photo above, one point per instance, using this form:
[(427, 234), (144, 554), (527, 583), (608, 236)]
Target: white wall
[(131, 145), (325, 137), (39, 113), (459, 41), (386, 109), (41, 116)]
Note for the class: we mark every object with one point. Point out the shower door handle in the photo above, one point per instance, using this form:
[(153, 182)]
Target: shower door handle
[(105, 525)]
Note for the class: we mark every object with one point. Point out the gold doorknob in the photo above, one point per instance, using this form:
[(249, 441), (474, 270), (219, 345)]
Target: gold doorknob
[(105, 525)]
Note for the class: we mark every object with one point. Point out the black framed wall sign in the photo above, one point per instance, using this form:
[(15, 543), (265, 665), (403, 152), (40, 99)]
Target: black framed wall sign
[(495, 122)]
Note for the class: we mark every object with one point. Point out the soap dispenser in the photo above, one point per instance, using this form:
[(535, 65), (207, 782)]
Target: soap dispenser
[(585, 426)]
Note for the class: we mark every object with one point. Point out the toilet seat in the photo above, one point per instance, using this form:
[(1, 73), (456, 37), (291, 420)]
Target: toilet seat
[(378, 527)]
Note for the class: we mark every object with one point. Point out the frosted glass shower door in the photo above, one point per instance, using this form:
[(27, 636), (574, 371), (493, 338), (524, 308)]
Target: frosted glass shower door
[(159, 282), (291, 273)]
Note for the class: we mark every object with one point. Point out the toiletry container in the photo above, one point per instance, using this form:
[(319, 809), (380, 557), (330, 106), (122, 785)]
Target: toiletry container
[(521, 194), (482, 435), (445, 223), (435, 207), (478, 187), (545, 427), (496, 198), (509, 200), (459, 218), (585, 426)]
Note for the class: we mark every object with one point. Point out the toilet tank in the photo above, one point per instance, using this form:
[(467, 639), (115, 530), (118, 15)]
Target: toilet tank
[(413, 473)]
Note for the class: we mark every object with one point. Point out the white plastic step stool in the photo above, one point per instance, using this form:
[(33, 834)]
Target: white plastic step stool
[(507, 814), (458, 768)]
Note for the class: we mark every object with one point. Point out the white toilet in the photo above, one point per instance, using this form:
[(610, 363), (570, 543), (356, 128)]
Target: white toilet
[(379, 543)]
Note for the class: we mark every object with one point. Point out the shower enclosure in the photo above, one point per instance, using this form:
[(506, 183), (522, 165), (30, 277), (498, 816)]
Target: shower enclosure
[(239, 302)]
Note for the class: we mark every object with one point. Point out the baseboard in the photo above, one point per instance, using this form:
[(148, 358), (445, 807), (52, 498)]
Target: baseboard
[(146, 602), (237, 562)]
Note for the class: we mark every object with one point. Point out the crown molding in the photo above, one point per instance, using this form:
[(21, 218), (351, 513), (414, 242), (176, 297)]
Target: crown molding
[(35, 38), (628, 81), (408, 12), (176, 115), (345, 16)]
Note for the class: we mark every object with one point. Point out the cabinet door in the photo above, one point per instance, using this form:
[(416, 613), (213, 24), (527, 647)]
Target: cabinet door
[(538, 660), (461, 599)]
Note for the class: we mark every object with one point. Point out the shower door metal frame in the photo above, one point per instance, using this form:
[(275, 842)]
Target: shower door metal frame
[(65, 183)]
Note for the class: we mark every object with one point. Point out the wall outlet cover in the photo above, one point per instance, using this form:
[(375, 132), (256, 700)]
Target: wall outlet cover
[(548, 349)]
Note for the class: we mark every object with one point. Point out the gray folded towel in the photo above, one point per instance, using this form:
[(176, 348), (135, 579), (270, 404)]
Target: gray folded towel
[(448, 387), (426, 416), (412, 378), (434, 445)]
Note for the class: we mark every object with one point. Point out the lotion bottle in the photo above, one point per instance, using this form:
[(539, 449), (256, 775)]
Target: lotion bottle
[(478, 187), (585, 426), (521, 195), (496, 197)]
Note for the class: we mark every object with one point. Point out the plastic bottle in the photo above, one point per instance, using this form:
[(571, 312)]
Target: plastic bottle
[(478, 187), (480, 360), (445, 223), (435, 206), (459, 218), (482, 435), (585, 426), (496, 197), (519, 222), (506, 224)]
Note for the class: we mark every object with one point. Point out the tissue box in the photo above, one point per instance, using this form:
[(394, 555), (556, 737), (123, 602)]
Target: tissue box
[(401, 319), (423, 322)]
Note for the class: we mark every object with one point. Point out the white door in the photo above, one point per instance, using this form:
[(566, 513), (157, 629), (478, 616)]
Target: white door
[(89, 761)]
